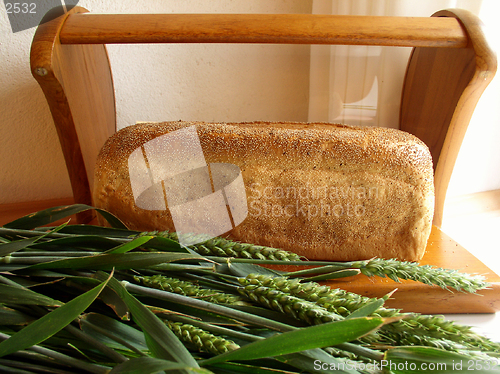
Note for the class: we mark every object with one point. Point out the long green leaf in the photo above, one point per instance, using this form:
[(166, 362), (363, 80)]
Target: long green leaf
[(12, 267), (316, 270), (24, 296), (10, 370), (117, 260), (47, 216), (17, 245), (51, 323), (243, 269), (161, 336), (157, 242), (319, 336), (233, 367), (111, 299), (344, 273), (150, 365), (371, 307), (367, 309), (109, 232), (156, 350), (193, 303), (13, 317), (127, 247), (107, 238), (41, 354), (83, 241), (166, 245), (113, 333), (417, 359), (317, 361), (22, 367)]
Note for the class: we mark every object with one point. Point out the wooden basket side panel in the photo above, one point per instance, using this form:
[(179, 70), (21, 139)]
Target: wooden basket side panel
[(78, 86), (435, 81), (86, 76), (440, 93)]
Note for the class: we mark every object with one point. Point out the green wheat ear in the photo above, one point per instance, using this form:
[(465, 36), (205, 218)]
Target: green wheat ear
[(186, 288), (390, 268), (286, 303), (344, 303), (202, 339), (228, 248), (444, 278)]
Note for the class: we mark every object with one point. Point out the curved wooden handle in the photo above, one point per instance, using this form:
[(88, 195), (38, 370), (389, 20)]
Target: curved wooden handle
[(263, 28)]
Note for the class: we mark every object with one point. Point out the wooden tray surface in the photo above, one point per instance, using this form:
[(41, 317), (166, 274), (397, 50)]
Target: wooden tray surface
[(442, 251)]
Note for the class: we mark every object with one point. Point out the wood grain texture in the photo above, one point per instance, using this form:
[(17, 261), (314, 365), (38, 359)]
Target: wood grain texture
[(263, 28), (440, 93), (77, 83), (42, 61)]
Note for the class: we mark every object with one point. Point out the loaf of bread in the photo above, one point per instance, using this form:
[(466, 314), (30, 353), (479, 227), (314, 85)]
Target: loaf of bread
[(323, 191)]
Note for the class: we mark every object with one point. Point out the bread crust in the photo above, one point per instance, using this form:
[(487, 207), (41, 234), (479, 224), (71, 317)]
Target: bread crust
[(324, 191)]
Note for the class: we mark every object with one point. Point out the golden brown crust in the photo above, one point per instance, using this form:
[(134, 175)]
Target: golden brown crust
[(324, 191)]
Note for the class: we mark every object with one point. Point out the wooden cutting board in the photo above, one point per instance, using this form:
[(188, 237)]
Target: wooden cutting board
[(442, 251)]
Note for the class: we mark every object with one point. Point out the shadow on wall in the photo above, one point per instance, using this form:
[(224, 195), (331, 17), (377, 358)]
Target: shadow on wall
[(32, 164), (170, 83)]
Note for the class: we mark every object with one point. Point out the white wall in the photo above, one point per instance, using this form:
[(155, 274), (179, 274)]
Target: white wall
[(343, 77), (152, 82), (198, 82), (478, 163)]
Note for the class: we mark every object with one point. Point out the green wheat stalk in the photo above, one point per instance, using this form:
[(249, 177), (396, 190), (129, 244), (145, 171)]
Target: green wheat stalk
[(344, 303), (186, 288), (228, 248)]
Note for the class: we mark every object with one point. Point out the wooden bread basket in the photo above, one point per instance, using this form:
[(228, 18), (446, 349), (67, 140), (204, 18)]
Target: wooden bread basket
[(449, 68)]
